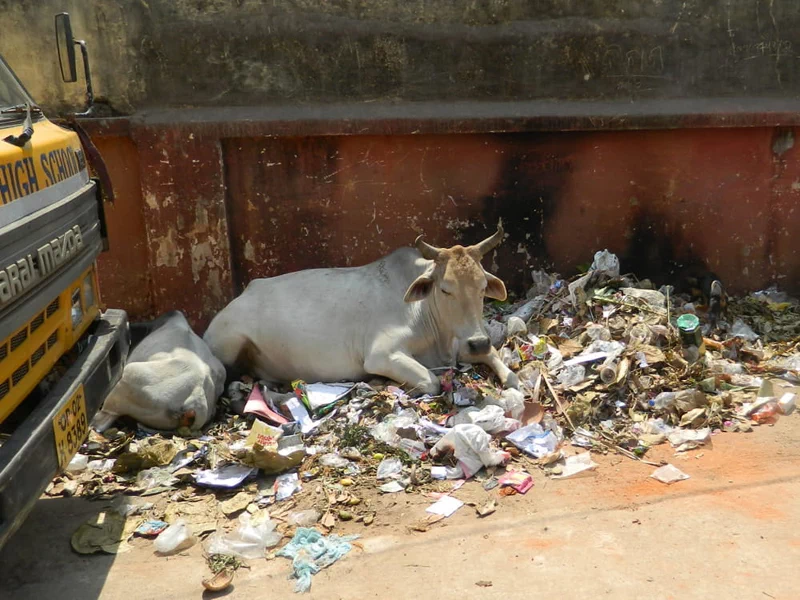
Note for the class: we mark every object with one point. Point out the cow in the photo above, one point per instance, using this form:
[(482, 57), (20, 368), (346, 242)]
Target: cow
[(171, 379), (398, 317)]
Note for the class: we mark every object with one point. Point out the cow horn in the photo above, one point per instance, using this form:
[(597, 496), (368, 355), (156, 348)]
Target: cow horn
[(427, 251), (490, 243)]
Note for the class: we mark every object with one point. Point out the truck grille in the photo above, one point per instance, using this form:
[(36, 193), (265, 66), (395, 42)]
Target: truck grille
[(3, 351), (51, 341), (37, 322), (20, 373), (19, 338), (37, 356), (4, 387), (53, 307)]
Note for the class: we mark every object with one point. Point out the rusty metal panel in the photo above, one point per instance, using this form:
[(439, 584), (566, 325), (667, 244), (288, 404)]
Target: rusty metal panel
[(123, 271), (185, 222)]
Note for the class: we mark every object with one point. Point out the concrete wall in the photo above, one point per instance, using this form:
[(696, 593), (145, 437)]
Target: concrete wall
[(260, 52)]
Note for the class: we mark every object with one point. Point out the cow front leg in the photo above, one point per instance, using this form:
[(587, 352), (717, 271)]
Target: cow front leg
[(404, 369), (507, 377)]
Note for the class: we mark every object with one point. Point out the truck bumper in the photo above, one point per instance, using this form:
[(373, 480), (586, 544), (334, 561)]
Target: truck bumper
[(28, 459)]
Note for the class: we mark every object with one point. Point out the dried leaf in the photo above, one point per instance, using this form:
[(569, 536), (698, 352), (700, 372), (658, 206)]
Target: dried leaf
[(570, 347)]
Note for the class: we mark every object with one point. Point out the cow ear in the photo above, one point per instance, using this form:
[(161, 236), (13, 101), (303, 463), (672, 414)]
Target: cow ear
[(420, 289), (495, 288)]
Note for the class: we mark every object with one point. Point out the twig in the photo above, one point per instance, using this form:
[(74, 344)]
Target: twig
[(627, 305), (558, 401), (625, 452)]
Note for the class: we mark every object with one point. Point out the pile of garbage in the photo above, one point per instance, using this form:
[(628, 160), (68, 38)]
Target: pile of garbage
[(605, 362)]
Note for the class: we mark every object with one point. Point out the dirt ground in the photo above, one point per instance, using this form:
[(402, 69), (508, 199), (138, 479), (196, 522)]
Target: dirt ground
[(731, 531)]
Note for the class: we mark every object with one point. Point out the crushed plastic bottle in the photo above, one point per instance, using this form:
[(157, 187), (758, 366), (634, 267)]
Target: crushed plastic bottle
[(664, 401), (175, 538)]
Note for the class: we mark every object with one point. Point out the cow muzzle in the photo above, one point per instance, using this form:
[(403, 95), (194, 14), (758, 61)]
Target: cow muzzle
[(480, 344)]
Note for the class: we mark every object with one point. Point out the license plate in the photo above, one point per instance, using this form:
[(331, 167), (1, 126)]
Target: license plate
[(70, 427)]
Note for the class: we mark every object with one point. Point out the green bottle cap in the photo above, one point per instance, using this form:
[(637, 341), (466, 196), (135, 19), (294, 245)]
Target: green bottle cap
[(688, 322)]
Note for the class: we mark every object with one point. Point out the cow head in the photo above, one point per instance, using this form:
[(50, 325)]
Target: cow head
[(456, 284)]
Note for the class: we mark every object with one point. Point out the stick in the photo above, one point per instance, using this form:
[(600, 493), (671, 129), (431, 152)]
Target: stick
[(627, 305), (558, 401)]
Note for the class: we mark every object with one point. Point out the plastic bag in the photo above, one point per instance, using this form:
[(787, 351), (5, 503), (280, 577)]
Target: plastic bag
[(470, 444), (304, 518), (607, 262), (250, 540), (572, 375), (332, 459), (741, 330), (534, 440), (516, 326), (511, 401), (175, 538), (390, 468), (490, 418), (155, 477), (78, 463)]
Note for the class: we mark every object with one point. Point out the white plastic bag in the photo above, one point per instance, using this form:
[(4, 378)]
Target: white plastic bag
[(470, 444), (390, 468), (511, 401), (250, 540), (175, 538)]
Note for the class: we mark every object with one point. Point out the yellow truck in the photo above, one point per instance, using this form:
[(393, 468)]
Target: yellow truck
[(60, 352)]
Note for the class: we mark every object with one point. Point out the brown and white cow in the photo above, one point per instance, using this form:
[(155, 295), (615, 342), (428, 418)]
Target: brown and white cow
[(413, 310)]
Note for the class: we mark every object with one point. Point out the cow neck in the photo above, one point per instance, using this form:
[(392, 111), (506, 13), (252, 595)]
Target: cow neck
[(440, 335)]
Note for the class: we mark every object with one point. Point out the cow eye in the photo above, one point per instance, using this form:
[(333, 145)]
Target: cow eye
[(446, 293)]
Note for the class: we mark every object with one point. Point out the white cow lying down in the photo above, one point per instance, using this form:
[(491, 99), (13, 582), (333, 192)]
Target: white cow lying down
[(171, 379), (415, 309)]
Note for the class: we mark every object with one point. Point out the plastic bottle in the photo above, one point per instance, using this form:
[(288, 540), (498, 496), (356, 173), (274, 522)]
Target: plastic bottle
[(664, 401)]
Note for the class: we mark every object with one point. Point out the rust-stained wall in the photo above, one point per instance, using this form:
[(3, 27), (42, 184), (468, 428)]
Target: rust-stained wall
[(215, 211)]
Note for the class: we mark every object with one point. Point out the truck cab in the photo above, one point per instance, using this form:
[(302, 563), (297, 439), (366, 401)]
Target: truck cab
[(60, 351)]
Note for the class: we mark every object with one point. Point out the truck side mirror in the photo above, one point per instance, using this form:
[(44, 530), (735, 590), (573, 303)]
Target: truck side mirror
[(65, 44)]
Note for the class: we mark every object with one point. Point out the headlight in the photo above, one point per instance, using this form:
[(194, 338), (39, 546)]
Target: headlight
[(88, 291), (77, 311)]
